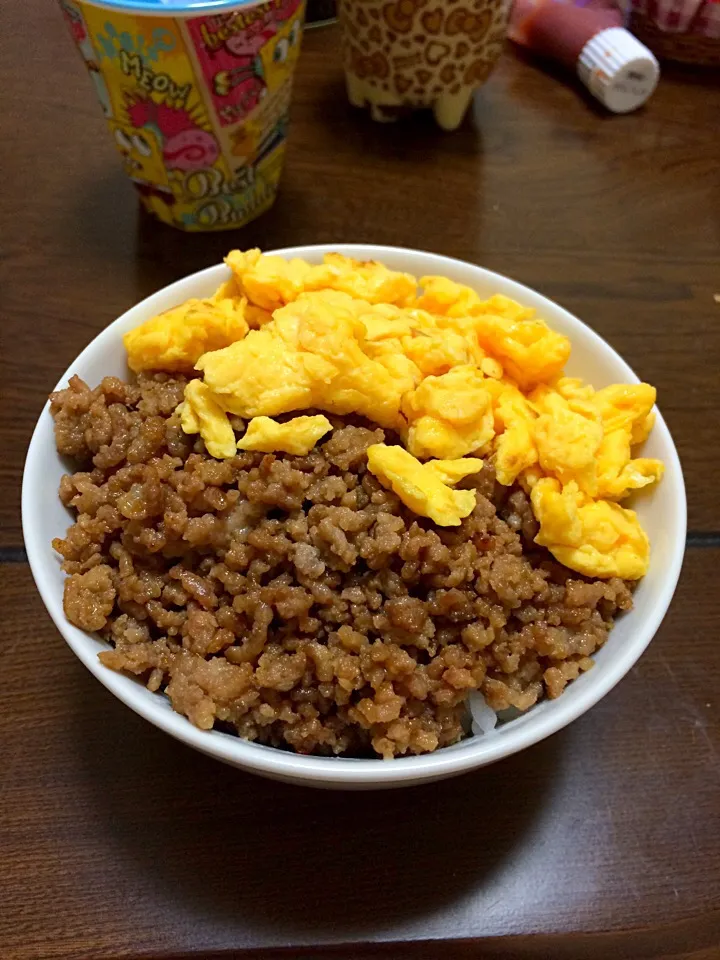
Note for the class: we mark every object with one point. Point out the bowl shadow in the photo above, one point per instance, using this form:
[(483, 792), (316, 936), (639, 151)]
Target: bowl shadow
[(250, 853)]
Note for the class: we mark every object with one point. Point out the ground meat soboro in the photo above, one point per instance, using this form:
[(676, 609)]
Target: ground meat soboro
[(296, 601)]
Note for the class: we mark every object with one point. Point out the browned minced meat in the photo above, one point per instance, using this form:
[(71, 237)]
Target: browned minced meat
[(296, 601)]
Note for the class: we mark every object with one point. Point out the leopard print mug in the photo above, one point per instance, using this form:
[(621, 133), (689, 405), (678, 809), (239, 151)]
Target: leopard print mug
[(401, 54)]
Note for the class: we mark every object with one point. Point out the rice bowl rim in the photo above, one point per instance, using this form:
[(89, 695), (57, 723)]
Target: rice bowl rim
[(546, 718)]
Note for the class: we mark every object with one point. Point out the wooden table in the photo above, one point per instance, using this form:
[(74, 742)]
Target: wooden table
[(604, 841)]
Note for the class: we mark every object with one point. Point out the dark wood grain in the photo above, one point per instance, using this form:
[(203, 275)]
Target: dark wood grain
[(117, 842)]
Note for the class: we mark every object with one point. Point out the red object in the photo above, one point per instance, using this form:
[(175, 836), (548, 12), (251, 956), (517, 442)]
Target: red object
[(558, 29), (190, 150), (168, 120)]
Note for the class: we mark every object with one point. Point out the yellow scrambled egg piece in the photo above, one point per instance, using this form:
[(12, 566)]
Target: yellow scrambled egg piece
[(297, 436), (201, 413), (567, 441), (514, 446), (444, 297), (270, 282), (450, 415), (425, 487), (452, 472), (595, 537), (176, 339), (527, 348), (309, 355), (587, 436), (369, 280), (451, 372), (627, 416), (435, 352), (624, 404), (617, 473), (415, 336)]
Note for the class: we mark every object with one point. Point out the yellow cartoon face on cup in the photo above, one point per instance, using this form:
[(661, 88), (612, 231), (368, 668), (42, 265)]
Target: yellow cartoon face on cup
[(279, 55), (416, 53), (197, 104), (142, 154)]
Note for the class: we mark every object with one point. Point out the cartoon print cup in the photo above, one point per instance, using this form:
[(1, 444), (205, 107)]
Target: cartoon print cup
[(402, 54), (197, 104)]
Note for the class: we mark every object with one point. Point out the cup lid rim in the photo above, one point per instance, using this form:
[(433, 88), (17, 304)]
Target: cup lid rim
[(185, 8)]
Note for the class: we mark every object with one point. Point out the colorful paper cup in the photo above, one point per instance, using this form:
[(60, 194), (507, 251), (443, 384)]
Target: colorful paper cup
[(196, 97), (403, 54)]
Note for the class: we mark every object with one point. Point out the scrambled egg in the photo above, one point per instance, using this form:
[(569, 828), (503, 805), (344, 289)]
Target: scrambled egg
[(515, 447), (309, 355), (451, 373), (527, 348), (201, 413), (594, 537), (450, 415), (270, 282), (567, 441), (297, 436), (425, 487), (175, 340)]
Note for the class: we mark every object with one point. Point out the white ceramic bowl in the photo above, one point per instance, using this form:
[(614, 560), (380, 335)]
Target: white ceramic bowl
[(663, 514)]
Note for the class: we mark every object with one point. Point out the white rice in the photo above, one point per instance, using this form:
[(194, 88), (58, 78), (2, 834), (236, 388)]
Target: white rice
[(484, 718)]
